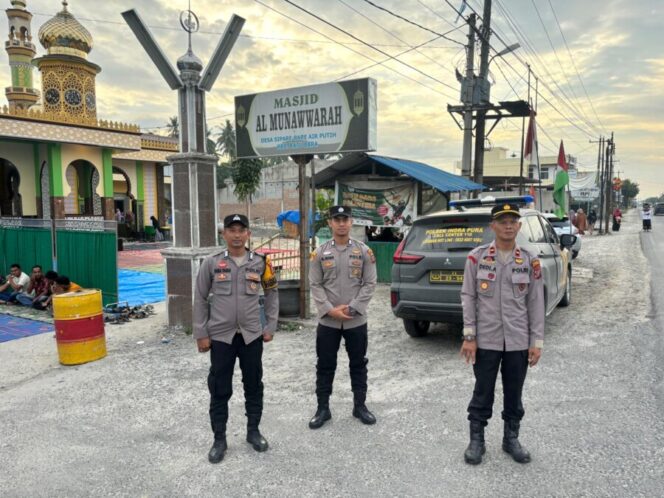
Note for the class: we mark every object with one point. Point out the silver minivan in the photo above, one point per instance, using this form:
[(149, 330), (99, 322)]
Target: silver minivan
[(428, 264)]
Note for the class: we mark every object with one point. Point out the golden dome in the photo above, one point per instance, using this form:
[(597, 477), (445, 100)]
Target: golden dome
[(65, 35)]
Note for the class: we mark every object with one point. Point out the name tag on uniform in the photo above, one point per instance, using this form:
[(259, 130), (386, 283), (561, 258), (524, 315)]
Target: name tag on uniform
[(254, 277)]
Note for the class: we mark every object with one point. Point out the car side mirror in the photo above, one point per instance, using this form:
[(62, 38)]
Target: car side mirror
[(567, 240)]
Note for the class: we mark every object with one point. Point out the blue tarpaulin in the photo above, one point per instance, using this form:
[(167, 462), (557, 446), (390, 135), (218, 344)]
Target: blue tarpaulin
[(294, 217), (140, 287)]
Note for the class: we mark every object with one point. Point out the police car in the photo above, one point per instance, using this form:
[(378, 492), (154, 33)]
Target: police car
[(428, 264)]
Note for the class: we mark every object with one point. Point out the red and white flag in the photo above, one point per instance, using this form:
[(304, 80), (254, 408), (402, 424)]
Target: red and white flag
[(530, 153)]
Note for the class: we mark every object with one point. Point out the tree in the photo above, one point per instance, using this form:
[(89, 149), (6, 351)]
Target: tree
[(246, 174), (173, 127), (226, 141), (629, 191), (210, 144)]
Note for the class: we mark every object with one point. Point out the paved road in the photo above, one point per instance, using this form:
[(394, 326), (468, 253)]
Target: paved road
[(135, 423)]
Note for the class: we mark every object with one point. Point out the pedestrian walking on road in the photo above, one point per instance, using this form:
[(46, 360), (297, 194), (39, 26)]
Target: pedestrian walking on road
[(581, 222), (227, 323), (342, 277), (646, 217), (592, 219), (503, 315)]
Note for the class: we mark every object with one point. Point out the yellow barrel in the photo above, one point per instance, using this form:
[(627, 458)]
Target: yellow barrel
[(79, 326)]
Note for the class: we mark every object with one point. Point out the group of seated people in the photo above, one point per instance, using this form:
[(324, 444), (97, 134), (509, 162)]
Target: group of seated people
[(36, 290)]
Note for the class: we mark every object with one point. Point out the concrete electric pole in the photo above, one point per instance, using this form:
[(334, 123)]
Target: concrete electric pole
[(484, 88), (467, 86)]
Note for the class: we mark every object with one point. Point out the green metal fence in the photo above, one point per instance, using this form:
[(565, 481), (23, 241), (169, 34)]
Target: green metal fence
[(84, 250), (384, 252)]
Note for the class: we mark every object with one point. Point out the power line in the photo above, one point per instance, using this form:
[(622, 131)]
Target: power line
[(257, 37), (544, 83), (353, 50), (332, 25), (405, 19), (528, 46), (555, 53), (390, 33), (384, 60), (569, 52)]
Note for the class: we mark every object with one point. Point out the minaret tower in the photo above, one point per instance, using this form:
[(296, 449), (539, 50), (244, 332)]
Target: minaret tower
[(68, 77), (21, 51)]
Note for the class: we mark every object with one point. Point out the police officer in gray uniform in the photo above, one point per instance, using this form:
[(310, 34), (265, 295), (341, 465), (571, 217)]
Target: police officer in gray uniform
[(227, 323), (342, 277), (503, 315)]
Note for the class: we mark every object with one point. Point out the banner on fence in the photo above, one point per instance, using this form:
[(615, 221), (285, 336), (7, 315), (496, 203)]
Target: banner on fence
[(390, 207)]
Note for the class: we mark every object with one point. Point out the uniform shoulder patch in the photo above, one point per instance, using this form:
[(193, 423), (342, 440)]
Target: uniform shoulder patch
[(537, 268), (312, 256), (371, 255), (269, 277)]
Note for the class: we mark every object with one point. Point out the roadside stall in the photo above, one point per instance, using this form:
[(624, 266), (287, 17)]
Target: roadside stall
[(387, 194)]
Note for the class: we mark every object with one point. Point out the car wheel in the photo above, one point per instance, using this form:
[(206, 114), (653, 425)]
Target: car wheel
[(567, 298), (416, 328)]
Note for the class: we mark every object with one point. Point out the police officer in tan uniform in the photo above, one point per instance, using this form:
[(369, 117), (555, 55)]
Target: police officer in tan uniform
[(503, 315), (227, 323), (342, 277)]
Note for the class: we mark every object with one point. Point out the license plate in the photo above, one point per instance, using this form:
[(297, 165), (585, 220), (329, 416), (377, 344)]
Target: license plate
[(445, 277)]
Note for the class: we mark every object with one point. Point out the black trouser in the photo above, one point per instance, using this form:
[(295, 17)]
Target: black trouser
[(513, 367), (220, 381), (328, 340)]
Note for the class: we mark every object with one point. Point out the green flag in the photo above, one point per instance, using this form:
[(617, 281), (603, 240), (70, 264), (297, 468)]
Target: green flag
[(561, 181)]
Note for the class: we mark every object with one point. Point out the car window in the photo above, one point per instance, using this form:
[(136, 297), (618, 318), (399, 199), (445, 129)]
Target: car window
[(550, 233), (536, 231), (449, 234)]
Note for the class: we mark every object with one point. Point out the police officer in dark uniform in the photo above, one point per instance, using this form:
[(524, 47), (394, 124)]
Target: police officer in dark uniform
[(342, 277), (227, 323), (503, 316)]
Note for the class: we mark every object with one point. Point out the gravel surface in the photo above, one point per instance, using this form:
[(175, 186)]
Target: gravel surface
[(135, 423)]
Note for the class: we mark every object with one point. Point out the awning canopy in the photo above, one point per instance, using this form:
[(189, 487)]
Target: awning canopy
[(361, 163)]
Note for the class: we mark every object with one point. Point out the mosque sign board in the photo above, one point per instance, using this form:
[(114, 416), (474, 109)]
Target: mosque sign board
[(315, 119)]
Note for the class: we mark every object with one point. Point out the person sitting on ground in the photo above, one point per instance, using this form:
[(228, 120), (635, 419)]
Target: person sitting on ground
[(43, 301), (38, 285), (17, 282), (63, 284)]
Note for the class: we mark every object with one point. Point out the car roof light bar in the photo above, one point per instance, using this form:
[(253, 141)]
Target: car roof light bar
[(520, 200)]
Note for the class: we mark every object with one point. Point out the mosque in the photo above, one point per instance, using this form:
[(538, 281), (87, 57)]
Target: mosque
[(59, 160)]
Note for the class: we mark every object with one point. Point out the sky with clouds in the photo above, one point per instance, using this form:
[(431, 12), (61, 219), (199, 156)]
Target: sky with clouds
[(599, 70)]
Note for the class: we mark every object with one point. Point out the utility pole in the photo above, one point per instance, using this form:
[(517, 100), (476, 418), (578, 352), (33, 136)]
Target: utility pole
[(523, 129), (484, 98), (602, 181), (599, 160), (468, 86), (608, 172)]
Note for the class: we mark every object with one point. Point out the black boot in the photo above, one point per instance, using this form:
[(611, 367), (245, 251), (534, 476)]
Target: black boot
[(476, 448), (323, 414), (511, 443), (256, 440), (363, 413), (218, 450)]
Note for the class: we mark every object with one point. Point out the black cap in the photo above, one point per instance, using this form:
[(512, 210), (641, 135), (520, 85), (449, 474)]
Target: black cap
[(236, 218), (335, 211), (505, 208), (51, 275)]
